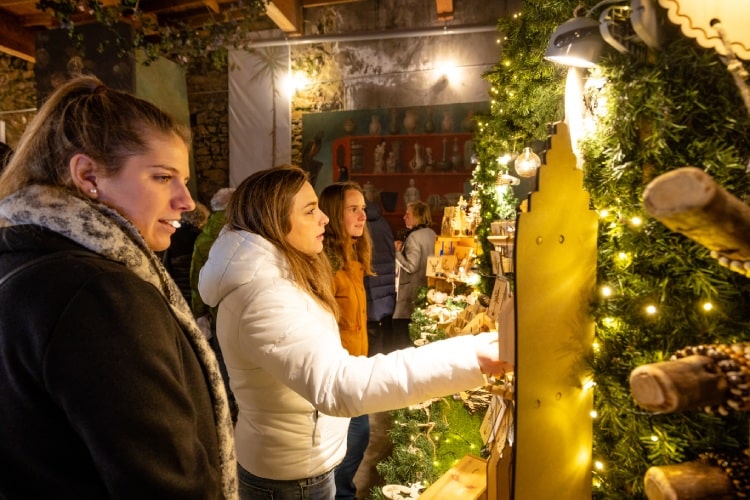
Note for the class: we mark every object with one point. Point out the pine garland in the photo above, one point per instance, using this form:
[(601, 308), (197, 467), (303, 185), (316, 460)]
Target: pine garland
[(526, 96), (681, 108)]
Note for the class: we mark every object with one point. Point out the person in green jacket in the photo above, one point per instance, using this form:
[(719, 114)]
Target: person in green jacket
[(206, 316), (203, 244)]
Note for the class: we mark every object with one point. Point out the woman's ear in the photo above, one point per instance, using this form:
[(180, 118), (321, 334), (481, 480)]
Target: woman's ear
[(83, 172)]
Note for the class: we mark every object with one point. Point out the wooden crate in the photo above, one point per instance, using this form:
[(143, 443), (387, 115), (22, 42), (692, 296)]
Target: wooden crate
[(467, 480)]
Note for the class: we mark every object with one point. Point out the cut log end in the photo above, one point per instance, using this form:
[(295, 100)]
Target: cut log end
[(681, 190), (688, 481), (653, 389), (681, 384)]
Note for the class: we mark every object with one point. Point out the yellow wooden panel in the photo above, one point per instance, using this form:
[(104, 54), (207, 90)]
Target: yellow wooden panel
[(467, 480), (555, 278)]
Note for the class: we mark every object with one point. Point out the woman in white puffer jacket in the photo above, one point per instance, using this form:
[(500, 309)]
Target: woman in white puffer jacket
[(295, 385)]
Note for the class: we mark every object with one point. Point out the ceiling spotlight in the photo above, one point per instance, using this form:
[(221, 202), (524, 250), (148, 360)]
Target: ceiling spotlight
[(576, 42), (628, 26)]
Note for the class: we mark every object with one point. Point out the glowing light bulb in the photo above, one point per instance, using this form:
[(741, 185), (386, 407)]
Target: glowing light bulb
[(654, 438), (593, 414), (636, 221), (603, 213), (606, 291), (598, 465), (708, 306), (527, 163), (651, 309)]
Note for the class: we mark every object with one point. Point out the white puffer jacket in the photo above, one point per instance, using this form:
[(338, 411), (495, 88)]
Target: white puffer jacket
[(292, 379)]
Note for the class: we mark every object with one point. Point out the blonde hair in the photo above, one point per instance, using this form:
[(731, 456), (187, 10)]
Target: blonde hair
[(421, 212), (84, 116), (262, 204), (337, 242)]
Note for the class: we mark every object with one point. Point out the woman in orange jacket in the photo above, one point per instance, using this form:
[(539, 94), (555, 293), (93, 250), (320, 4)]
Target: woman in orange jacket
[(348, 247)]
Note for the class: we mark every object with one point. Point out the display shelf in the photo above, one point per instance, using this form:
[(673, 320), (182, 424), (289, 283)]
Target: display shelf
[(396, 169)]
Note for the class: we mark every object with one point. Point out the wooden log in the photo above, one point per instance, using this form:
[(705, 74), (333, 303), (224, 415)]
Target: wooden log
[(688, 481), (687, 200), (681, 384)]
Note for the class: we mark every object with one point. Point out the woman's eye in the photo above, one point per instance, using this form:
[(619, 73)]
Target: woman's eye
[(164, 179)]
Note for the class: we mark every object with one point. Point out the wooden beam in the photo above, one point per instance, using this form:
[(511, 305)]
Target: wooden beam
[(444, 9), (322, 3), (213, 5), (286, 14), (16, 40)]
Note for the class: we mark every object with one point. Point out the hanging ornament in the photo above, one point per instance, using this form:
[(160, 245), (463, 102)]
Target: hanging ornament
[(527, 163)]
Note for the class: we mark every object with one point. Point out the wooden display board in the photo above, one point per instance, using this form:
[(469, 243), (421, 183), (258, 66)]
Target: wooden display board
[(555, 274)]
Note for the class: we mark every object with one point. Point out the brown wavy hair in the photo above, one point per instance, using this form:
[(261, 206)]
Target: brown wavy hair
[(84, 116), (262, 204), (337, 242)]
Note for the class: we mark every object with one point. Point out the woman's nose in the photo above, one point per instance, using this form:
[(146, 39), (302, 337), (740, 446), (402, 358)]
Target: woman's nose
[(185, 199)]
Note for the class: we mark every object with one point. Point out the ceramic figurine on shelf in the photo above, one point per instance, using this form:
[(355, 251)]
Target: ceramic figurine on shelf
[(444, 164), (417, 163), (428, 160), (390, 162), (379, 158), (457, 159), (411, 193)]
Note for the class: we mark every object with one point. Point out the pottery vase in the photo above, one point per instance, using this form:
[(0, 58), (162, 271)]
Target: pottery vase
[(446, 125), (410, 121), (374, 125)]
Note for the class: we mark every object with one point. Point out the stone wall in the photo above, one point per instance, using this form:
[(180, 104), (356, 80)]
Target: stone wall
[(17, 96), (209, 112)]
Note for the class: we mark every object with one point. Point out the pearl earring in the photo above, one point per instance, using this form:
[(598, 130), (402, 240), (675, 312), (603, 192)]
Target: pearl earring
[(92, 190)]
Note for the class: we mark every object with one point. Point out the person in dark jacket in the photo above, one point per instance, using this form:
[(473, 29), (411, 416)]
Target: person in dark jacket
[(380, 288), (108, 389), (179, 255)]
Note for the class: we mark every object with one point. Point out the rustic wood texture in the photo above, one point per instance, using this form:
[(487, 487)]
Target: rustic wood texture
[(466, 480), (687, 200), (688, 481), (681, 384)]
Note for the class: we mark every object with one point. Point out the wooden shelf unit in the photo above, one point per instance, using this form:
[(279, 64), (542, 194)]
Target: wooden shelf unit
[(354, 157)]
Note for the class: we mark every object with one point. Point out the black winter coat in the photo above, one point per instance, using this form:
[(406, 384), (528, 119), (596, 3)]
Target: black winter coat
[(381, 288), (101, 393)]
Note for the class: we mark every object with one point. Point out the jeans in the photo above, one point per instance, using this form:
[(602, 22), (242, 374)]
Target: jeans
[(257, 488), (356, 443)]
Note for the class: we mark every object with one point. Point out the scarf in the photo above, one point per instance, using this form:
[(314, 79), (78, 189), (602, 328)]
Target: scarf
[(415, 228), (104, 231)]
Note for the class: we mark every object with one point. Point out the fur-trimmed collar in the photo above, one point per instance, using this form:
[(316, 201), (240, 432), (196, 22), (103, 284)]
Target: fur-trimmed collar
[(104, 231)]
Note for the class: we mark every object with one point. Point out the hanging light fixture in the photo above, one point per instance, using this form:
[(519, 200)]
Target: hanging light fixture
[(527, 163), (627, 26), (576, 42)]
